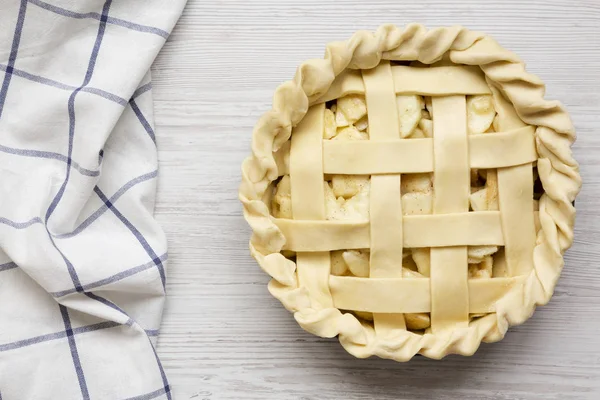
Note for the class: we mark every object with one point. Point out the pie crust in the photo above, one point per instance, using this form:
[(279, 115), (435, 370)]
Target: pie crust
[(452, 300)]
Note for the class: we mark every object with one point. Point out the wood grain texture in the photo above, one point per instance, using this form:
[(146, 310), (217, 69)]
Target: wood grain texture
[(223, 335)]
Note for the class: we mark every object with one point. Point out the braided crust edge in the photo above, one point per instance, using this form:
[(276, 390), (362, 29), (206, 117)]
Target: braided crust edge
[(558, 171)]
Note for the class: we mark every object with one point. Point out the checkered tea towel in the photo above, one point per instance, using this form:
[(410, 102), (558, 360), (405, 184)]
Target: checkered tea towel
[(82, 260)]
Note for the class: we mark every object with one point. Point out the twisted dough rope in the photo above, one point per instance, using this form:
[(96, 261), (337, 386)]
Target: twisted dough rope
[(558, 171)]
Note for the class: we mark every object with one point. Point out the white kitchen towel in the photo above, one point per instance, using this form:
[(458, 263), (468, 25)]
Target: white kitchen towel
[(82, 260)]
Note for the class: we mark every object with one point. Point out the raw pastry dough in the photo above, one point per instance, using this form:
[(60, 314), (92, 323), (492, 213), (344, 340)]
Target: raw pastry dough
[(481, 111)]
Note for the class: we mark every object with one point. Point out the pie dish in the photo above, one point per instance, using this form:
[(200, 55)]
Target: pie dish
[(411, 193)]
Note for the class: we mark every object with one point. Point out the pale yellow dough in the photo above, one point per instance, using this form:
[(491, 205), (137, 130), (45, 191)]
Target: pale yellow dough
[(428, 265)]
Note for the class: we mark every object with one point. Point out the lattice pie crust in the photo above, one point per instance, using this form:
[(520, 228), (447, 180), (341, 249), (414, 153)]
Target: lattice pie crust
[(392, 192)]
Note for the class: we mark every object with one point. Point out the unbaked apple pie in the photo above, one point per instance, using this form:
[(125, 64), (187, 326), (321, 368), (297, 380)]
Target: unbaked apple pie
[(411, 192)]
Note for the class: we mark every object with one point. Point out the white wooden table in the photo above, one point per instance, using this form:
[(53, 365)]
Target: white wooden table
[(223, 335)]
